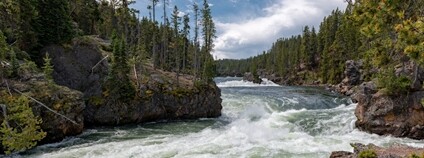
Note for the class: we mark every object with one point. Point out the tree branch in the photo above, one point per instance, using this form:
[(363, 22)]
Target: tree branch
[(92, 69), (45, 106)]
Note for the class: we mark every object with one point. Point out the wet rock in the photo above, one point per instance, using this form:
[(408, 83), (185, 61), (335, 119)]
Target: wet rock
[(248, 76)]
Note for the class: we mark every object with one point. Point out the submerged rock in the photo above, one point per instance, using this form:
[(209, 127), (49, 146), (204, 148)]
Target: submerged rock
[(248, 76)]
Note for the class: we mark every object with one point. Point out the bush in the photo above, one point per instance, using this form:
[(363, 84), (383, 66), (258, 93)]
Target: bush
[(393, 84), (367, 154), (20, 129)]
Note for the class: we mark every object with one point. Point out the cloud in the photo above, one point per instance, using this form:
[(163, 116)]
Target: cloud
[(246, 37)]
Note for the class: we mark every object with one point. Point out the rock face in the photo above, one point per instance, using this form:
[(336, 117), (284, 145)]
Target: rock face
[(352, 73), (395, 151), (248, 76), (158, 104), (82, 67), (400, 116)]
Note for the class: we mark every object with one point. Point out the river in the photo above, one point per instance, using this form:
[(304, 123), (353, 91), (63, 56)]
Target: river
[(264, 120)]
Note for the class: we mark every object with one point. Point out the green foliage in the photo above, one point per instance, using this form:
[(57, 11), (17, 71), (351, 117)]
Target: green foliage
[(14, 63), (28, 67), (3, 47), (53, 24), (393, 84), (48, 68), (367, 154), (20, 130), (416, 156), (118, 84), (208, 70)]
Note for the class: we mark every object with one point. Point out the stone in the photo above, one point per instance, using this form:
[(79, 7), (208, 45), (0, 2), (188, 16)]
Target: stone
[(248, 76), (399, 116), (352, 73), (341, 154)]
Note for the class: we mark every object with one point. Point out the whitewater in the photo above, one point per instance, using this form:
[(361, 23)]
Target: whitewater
[(258, 120)]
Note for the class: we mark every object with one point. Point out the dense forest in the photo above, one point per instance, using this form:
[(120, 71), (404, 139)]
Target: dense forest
[(381, 35), (28, 26)]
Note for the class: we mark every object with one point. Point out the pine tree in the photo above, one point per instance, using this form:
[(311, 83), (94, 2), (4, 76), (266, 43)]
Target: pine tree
[(185, 33), (3, 47), (176, 22), (119, 86), (48, 68), (25, 131), (53, 23), (14, 62), (196, 40)]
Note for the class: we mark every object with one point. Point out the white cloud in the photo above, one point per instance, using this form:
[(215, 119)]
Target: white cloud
[(241, 39)]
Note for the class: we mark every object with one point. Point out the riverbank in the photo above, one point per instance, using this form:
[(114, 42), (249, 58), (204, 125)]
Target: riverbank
[(80, 100)]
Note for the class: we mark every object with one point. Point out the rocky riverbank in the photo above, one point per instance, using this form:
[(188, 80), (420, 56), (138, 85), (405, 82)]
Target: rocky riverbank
[(80, 72)]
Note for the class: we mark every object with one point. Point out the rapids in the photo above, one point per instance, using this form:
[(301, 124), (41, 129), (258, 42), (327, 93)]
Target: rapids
[(265, 120)]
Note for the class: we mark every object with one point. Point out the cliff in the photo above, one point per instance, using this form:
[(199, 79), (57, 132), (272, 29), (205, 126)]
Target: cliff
[(159, 95), (78, 92)]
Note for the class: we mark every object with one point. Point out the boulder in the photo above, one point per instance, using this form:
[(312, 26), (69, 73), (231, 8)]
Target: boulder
[(352, 73), (342, 154), (400, 116), (248, 76)]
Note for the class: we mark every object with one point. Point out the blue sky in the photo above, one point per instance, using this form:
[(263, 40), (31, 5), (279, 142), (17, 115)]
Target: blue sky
[(247, 27)]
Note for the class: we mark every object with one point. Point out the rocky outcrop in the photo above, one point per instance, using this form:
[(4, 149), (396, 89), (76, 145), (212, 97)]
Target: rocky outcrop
[(371, 150), (400, 116), (61, 99), (352, 78), (157, 103), (248, 76), (84, 67)]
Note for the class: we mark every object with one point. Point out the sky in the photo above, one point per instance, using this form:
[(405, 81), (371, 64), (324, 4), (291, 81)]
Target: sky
[(246, 28)]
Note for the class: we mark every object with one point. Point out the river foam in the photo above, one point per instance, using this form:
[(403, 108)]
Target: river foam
[(257, 121)]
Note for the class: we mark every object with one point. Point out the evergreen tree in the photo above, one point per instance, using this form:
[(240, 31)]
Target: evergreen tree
[(53, 23), (185, 33), (119, 86), (196, 40), (20, 129), (208, 31), (48, 68)]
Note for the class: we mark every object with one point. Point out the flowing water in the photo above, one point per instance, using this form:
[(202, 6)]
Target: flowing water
[(264, 120)]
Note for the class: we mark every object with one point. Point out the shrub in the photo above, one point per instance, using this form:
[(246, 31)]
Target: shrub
[(367, 154)]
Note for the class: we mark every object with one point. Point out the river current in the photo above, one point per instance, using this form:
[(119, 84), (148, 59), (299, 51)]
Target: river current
[(265, 120)]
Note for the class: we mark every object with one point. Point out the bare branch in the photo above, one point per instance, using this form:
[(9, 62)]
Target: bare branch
[(45, 106), (92, 69)]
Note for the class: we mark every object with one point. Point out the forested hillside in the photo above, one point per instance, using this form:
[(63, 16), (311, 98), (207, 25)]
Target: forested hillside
[(29, 26), (383, 36)]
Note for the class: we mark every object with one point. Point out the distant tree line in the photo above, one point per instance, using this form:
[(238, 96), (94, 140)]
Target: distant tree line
[(382, 34)]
